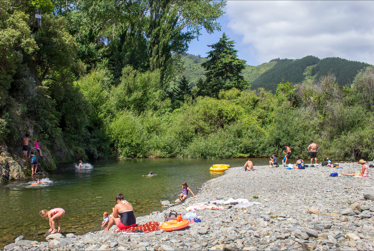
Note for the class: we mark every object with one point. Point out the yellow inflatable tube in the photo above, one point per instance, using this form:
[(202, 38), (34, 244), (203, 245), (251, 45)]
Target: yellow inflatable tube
[(219, 168)]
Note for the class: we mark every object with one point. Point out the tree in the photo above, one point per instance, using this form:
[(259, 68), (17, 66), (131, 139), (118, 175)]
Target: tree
[(223, 68), (182, 89)]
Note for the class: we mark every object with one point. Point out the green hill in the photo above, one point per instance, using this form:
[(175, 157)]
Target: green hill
[(269, 75)]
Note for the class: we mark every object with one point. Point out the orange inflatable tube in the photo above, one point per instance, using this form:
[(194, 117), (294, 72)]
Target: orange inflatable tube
[(174, 225)]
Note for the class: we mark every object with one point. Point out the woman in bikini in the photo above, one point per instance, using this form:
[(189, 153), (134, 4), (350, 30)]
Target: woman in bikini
[(53, 215), (123, 214)]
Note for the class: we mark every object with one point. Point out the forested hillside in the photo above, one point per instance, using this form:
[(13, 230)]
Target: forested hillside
[(102, 79), (269, 75)]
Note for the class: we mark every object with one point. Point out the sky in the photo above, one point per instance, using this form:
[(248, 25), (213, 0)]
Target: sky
[(264, 30)]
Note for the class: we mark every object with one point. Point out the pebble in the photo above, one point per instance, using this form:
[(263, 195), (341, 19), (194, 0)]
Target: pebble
[(322, 213)]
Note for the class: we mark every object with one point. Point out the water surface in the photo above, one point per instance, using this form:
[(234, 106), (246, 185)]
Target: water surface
[(86, 194)]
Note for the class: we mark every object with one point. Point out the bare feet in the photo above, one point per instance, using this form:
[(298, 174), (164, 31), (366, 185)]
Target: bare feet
[(105, 230), (54, 231)]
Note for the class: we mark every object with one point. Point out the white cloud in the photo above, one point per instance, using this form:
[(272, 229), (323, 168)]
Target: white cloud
[(294, 29)]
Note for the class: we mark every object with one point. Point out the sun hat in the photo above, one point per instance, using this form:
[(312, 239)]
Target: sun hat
[(362, 161)]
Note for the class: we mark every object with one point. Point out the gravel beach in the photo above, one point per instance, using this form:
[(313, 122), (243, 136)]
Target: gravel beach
[(298, 210)]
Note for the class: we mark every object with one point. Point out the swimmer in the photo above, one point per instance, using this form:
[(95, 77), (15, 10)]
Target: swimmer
[(149, 175), (53, 215), (80, 164), (36, 183)]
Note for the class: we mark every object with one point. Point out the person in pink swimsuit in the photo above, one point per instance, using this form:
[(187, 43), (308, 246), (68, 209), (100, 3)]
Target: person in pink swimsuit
[(53, 215), (364, 170), (36, 144)]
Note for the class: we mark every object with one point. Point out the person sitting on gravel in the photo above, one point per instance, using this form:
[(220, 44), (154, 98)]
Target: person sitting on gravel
[(274, 161), (123, 214), (299, 164), (364, 170), (248, 166), (184, 193)]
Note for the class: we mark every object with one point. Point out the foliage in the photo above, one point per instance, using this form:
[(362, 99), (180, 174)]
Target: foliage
[(223, 68)]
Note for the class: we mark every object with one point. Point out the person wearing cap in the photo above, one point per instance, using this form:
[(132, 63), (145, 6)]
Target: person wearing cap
[(364, 170)]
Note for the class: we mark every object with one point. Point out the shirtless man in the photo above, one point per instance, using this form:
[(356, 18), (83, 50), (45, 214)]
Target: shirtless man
[(25, 147), (313, 150), (248, 166), (288, 153)]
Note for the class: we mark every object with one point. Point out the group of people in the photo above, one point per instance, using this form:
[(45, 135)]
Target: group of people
[(122, 213), (32, 157)]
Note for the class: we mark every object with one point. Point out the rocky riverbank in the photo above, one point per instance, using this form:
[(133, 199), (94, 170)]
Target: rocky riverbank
[(298, 210)]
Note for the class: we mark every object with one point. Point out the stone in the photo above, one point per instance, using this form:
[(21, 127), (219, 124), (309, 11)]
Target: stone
[(301, 235), (10, 246), (312, 210), (312, 233), (346, 211), (70, 235), (56, 236), (352, 237), (365, 214), (88, 240), (104, 247), (355, 206), (23, 243), (202, 230), (325, 235), (92, 247), (113, 244), (369, 196), (166, 248), (54, 243), (309, 245), (365, 207), (64, 242), (19, 238)]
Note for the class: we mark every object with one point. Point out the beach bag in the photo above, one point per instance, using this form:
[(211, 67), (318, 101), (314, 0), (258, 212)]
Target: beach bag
[(334, 174), (325, 163), (171, 216), (371, 165)]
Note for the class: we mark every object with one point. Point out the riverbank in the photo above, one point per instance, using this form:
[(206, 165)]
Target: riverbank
[(298, 209)]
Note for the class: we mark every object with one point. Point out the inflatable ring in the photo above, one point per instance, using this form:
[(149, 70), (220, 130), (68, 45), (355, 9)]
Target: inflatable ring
[(174, 225), (219, 168)]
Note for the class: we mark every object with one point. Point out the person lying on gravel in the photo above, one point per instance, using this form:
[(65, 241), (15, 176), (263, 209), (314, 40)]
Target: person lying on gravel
[(248, 166), (299, 164), (364, 170), (123, 214)]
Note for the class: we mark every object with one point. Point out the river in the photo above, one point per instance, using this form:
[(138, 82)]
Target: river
[(86, 194)]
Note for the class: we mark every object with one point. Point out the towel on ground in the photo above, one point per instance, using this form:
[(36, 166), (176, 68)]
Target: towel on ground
[(143, 228)]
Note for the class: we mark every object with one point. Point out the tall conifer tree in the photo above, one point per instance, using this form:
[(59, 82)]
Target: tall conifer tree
[(223, 69)]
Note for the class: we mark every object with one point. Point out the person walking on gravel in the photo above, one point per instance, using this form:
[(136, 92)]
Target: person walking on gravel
[(313, 150), (288, 153)]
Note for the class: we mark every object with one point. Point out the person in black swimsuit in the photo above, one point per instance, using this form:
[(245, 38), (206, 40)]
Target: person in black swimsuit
[(123, 214)]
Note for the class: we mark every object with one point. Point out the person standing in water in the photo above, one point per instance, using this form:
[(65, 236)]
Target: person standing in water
[(248, 166), (288, 153), (313, 150), (25, 146), (53, 215)]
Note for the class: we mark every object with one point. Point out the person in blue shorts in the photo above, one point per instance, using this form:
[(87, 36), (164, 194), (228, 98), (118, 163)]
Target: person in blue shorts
[(34, 163)]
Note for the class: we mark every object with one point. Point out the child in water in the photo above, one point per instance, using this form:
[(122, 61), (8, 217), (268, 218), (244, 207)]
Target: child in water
[(53, 215), (80, 164), (149, 175), (105, 219), (185, 190)]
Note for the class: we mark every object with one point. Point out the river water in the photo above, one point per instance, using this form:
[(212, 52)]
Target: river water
[(86, 194)]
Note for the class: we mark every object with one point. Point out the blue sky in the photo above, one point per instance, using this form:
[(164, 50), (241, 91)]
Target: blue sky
[(264, 30)]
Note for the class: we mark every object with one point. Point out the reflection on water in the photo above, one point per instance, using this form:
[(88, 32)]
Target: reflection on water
[(86, 193)]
